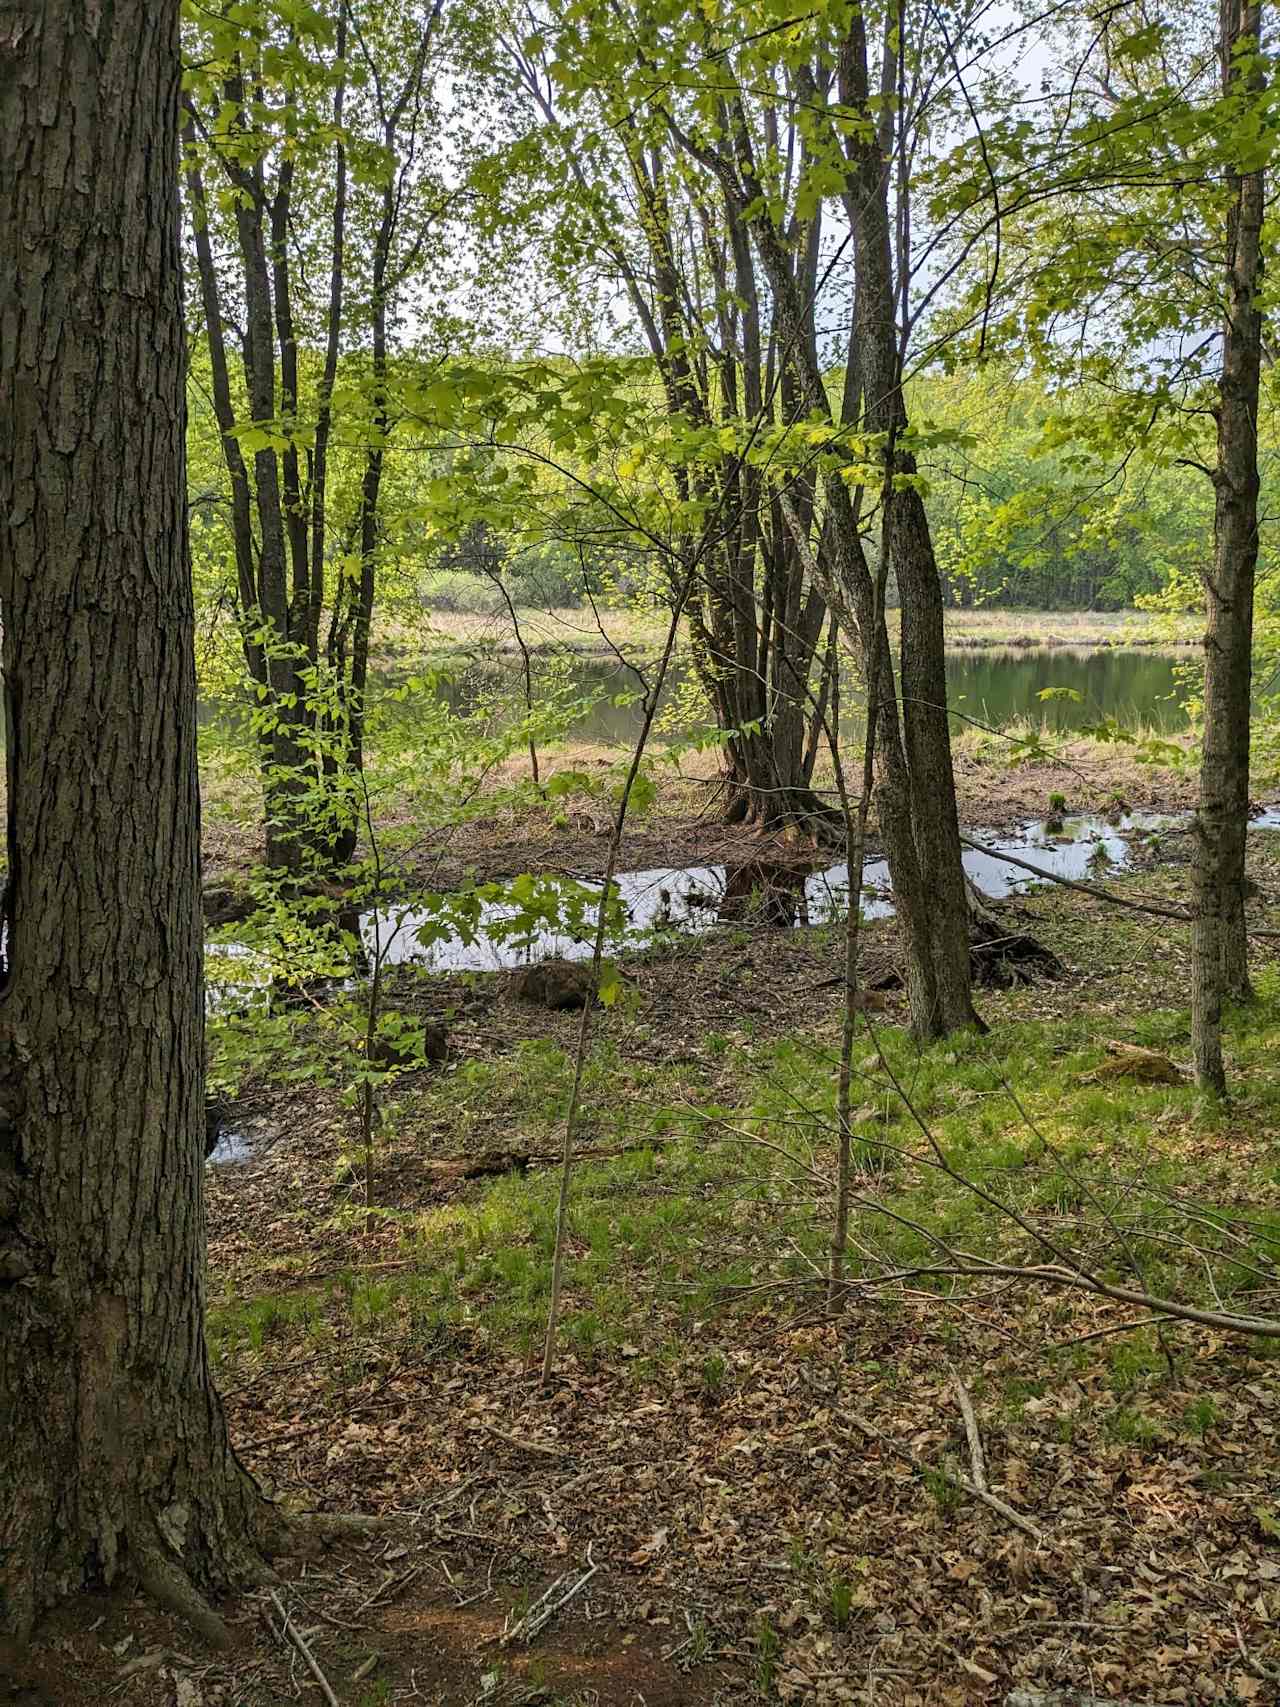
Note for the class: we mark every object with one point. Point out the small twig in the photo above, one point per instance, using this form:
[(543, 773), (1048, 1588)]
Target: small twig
[(1105, 1333), (1258, 1667), (542, 1448), (985, 1495), (977, 1458), (447, 1498), (545, 1608), (390, 1587), (295, 1636)]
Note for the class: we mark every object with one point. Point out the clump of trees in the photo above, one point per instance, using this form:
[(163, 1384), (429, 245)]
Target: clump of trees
[(317, 210)]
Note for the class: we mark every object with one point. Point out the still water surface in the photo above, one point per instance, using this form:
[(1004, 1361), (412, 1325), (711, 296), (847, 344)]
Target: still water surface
[(692, 899), (996, 686)]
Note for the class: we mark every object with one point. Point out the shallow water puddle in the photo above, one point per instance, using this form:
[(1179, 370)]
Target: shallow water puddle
[(698, 898), (231, 1147)]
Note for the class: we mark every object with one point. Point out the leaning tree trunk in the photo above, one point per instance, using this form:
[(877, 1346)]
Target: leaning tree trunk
[(1219, 965), (112, 1439)]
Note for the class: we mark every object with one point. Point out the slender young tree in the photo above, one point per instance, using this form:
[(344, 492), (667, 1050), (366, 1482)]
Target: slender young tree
[(114, 1457), (1097, 236), (1219, 963)]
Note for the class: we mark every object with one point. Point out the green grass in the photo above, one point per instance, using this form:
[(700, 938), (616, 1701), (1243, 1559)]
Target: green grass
[(717, 1196), (720, 1199), (252, 1323)]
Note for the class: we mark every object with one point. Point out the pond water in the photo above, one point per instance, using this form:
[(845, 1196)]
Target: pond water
[(231, 1147), (993, 685), (662, 901), (693, 899)]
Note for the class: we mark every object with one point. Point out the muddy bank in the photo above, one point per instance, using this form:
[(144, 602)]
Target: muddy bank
[(684, 828)]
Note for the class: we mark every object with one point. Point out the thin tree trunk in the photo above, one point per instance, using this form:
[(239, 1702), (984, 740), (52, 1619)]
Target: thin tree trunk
[(286, 837), (925, 724), (112, 1438), (295, 517), (1219, 967), (223, 408), (333, 341), (356, 629), (856, 849), (224, 413)]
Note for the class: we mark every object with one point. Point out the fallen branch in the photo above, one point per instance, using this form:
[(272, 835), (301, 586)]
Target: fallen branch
[(393, 1585), (1161, 912), (977, 1457), (299, 1641), (1131, 1061), (962, 1482), (542, 1448), (1266, 1327), (495, 1163), (1183, 915), (1107, 1332)]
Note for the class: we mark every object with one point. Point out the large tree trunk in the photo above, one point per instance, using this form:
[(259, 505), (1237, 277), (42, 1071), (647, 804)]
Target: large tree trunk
[(1219, 966), (112, 1439)]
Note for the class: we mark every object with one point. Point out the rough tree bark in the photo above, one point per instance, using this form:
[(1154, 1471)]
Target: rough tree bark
[(1219, 965), (114, 1456), (915, 788)]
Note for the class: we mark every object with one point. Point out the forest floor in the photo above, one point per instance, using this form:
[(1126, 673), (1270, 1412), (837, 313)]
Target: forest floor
[(754, 1498)]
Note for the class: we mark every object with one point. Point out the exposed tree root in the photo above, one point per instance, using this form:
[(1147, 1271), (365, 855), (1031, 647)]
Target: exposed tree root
[(1001, 956), (340, 1525), (796, 813), (165, 1582), (173, 1590), (311, 1531), (768, 892)]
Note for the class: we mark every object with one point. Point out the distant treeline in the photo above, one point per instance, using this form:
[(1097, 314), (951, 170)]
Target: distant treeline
[(1021, 518)]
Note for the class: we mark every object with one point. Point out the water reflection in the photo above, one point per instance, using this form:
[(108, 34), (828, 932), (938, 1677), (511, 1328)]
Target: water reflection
[(991, 685), (688, 900), (693, 899)]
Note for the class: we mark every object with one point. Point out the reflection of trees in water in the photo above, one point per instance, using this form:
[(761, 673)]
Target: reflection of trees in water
[(765, 892), (995, 685)]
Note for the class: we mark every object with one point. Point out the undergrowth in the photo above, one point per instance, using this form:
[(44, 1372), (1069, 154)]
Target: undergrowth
[(717, 1203)]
